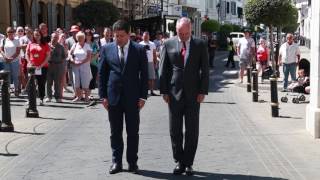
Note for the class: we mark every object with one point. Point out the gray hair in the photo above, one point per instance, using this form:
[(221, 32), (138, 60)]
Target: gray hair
[(107, 29), (80, 34), (55, 34), (289, 35), (182, 21)]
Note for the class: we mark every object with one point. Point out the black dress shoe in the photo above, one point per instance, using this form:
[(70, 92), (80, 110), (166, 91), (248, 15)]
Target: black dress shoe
[(189, 171), (179, 169), (115, 168), (133, 168)]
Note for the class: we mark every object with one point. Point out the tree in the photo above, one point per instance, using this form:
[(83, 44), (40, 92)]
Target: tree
[(272, 13), (224, 32), (210, 26), (236, 28), (292, 24), (96, 13)]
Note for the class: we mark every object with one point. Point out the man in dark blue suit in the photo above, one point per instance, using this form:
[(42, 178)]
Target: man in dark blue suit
[(123, 88)]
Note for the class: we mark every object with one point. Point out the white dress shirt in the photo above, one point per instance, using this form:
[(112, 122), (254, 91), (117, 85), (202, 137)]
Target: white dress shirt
[(289, 53), (125, 49)]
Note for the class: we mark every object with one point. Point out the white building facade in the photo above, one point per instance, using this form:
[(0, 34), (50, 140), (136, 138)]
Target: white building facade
[(231, 11), (304, 20)]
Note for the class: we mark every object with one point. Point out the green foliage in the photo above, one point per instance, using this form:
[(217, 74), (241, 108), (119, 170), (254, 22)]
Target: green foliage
[(236, 28), (225, 31), (277, 13), (210, 26), (290, 28), (292, 25), (96, 13)]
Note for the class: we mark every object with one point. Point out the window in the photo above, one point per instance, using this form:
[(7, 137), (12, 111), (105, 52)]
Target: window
[(233, 8), (234, 36), (240, 12), (228, 7)]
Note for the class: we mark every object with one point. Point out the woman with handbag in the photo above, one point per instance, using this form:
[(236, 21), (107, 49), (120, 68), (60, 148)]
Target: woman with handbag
[(10, 51), (262, 56), (80, 57)]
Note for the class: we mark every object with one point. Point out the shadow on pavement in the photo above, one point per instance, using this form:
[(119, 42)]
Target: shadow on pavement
[(55, 119), (208, 102), (203, 175), (289, 117), (30, 133), (221, 76), (74, 103), (18, 100), (8, 154), (62, 106)]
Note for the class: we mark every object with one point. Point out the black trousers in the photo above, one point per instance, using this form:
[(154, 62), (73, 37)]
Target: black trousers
[(186, 111), (131, 115), (211, 57), (93, 82), (230, 59), (41, 82)]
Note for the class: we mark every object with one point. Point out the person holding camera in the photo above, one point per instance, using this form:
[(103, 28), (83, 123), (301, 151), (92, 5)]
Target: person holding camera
[(152, 60)]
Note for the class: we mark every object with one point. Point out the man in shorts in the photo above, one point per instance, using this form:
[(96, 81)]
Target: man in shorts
[(246, 51), (152, 59)]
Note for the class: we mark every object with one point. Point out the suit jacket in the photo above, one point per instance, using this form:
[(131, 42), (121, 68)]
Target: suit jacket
[(192, 78), (131, 83)]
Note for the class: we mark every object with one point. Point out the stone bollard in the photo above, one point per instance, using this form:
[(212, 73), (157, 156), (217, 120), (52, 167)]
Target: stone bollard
[(6, 125), (31, 110), (274, 96), (255, 85), (248, 79)]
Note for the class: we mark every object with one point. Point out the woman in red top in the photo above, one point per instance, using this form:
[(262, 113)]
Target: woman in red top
[(262, 56), (38, 54)]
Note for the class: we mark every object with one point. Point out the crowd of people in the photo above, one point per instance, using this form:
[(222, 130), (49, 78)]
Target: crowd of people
[(65, 59), (289, 58)]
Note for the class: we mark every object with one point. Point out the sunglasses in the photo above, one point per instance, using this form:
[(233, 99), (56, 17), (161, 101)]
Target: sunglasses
[(20, 31), (10, 32)]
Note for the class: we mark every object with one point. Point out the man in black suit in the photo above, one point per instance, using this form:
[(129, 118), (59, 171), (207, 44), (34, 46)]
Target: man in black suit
[(184, 78), (123, 80)]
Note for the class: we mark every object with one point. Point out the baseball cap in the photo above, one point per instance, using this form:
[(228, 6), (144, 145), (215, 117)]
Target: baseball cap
[(74, 28)]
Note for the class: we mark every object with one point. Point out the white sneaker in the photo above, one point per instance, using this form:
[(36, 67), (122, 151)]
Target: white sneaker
[(47, 100)]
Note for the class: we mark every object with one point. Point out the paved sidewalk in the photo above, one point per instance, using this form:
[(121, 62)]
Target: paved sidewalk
[(239, 140)]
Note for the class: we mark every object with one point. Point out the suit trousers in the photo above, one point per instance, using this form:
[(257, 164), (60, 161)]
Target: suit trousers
[(132, 119), (187, 111)]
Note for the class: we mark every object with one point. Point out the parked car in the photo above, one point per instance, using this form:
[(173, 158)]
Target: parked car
[(236, 36)]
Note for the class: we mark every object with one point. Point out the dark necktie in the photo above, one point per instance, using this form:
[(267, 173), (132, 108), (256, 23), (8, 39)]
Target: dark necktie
[(122, 57), (183, 52)]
